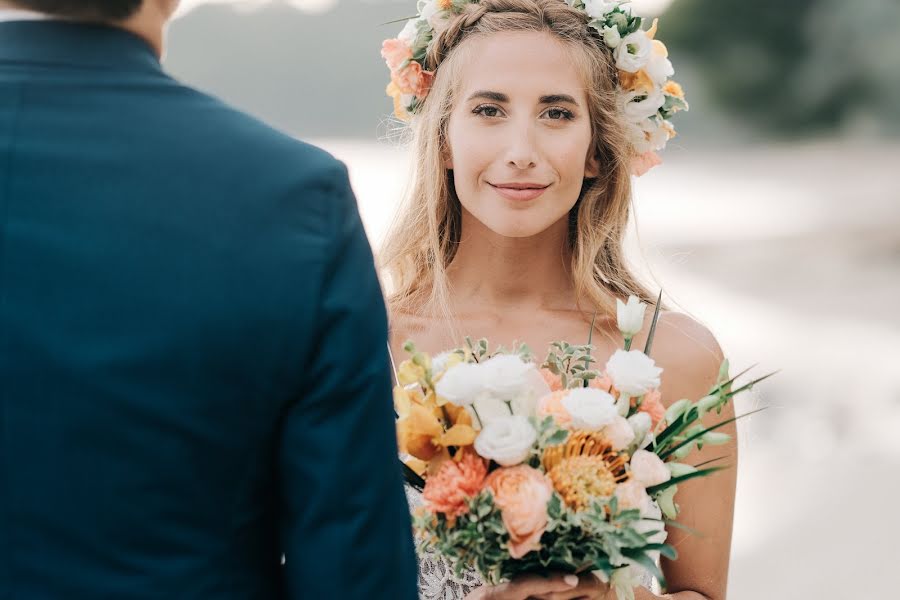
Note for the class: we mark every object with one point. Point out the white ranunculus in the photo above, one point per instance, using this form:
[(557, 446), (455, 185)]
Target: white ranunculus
[(641, 423), (507, 441), (590, 408), (489, 409), (633, 53), (648, 469), (638, 106), (597, 9), (619, 433), (508, 377), (659, 68), (440, 362), (461, 385), (409, 32), (633, 372), (630, 316), (612, 37)]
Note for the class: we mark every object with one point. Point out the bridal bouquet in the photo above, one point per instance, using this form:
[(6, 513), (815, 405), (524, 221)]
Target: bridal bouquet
[(532, 467)]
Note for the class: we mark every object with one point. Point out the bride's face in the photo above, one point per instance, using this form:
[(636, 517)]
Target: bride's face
[(519, 134)]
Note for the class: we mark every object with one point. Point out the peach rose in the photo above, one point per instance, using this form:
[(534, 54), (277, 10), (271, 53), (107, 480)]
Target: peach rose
[(455, 482), (553, 381), (395, 53), (603, 382), (521, 493), (653, 406), (551, 406), (413, 80)]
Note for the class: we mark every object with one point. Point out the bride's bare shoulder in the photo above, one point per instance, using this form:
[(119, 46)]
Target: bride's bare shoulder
[(689, 354)]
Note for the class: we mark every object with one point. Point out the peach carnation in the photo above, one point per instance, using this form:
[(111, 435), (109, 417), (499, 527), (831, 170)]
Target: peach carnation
[(642, 163), (603, 382), (395, 53), (455, 482), (521, 493), (653, 406), (413, 80)]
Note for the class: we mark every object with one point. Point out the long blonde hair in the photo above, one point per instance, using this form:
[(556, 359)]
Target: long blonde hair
[(424, 237)]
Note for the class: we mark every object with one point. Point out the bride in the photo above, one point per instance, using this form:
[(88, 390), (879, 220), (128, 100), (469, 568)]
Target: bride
[(513, 231)]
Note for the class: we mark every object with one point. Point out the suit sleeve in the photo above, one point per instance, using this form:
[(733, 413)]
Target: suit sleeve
[(346, 530)]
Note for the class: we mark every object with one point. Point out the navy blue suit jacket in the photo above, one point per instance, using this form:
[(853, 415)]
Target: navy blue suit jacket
[(194, 379)]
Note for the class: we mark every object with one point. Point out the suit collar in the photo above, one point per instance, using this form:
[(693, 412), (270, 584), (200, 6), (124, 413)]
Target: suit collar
[(67, 43)]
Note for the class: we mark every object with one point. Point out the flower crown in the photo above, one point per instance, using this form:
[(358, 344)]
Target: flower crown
[(647, 97)]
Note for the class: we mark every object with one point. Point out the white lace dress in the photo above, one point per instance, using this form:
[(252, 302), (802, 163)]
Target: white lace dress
[(437, 581)]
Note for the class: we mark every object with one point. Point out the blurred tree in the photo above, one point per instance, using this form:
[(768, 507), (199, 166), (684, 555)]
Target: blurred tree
[(795, 67)]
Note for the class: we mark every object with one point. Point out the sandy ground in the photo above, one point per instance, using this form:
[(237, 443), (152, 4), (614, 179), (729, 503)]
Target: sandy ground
[(791, 255)]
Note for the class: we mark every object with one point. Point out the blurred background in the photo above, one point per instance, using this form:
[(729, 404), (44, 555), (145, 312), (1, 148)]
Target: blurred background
[(775, 220)]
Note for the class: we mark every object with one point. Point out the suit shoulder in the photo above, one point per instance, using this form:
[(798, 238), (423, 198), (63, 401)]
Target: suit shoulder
[(258, 145)]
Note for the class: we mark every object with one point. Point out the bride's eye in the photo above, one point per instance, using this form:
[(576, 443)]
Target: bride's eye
[(558, 114), (486, 110)]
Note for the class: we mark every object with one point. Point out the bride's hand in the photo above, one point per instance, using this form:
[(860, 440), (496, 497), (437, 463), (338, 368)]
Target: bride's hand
[(525, 587), (588, 588), (552, 587)]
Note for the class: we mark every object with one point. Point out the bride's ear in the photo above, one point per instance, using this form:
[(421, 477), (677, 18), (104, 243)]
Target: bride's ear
[(591, 167), (447, 157)]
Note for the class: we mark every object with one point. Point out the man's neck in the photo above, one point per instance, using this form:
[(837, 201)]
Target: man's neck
[(149, 22)]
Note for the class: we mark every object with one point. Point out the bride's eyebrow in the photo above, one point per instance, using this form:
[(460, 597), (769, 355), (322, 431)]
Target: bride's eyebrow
[(558, 98), (488, 95)]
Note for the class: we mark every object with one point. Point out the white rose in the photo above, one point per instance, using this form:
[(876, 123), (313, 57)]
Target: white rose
[(638, 106), (597, 9), (409, 32), (438, 18), (506, 441), (630, 316), (637, 136), (590, 408), (619, 433), (648, 469), (633, 373), (612, 37), (634, 52), (461, 385)]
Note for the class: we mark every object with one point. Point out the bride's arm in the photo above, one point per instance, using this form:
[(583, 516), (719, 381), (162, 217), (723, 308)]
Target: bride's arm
[(691, 358)]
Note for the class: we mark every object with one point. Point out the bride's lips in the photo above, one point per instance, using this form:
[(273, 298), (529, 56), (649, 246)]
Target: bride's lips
[(519, 191)]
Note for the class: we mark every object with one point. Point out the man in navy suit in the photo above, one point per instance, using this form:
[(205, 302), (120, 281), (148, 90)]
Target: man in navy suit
[(194, 383)]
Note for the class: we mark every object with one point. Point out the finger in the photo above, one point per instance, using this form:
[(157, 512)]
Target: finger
[(589, 587)]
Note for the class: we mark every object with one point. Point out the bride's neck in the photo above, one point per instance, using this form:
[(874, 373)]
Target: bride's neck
[(490, 269)]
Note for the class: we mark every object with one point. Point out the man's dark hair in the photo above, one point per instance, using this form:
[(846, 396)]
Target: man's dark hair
[(113, 10)]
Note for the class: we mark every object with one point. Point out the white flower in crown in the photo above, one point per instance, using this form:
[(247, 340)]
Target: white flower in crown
[(598, 9), (409, 32), (638, 107), (633, 372), (634, 51), (437, 13)]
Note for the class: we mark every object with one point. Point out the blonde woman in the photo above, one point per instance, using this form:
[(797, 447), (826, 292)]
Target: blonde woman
[(513, 231)]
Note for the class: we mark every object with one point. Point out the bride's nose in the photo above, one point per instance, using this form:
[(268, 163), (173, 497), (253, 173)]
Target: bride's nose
[(521, 150)]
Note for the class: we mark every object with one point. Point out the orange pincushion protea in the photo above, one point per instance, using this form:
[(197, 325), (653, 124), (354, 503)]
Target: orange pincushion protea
[(585, 467)]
